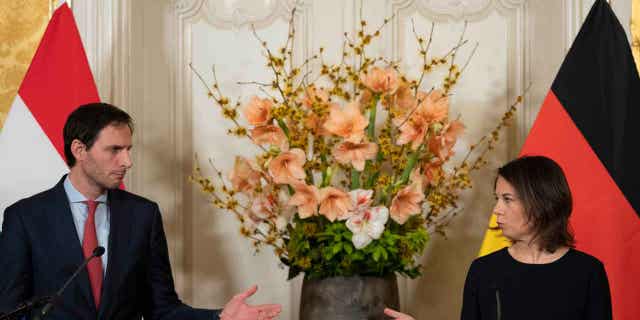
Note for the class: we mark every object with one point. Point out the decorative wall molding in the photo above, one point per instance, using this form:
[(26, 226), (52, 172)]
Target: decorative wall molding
[(573, 20), (121, 69), (185, 13), (235, 14), (458, 10), (520, 74)]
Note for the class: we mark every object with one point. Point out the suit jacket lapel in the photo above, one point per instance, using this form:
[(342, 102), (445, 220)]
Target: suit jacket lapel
[(68, 243), (118, 239)]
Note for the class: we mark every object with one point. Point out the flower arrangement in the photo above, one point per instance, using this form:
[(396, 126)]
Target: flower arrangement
[(350, 177)]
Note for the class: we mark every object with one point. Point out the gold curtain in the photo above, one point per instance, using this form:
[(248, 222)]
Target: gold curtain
[(22, 23), (635, 31)]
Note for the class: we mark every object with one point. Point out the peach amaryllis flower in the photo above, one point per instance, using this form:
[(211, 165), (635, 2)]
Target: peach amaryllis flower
[(428, 174), (348, 123), (270, 134), (244, 176), (432, 106), (412, 131), (258, 111), (403, 98), (406, 203), (315, 123), (306, 198), (367, 225), (264, 205), (286, 168), (365, 97), (414, 123), (355, 153), (335, 204), (442, 145), (380, 80)]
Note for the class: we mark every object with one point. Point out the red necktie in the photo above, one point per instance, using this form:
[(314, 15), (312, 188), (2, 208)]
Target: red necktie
[(89, 243)]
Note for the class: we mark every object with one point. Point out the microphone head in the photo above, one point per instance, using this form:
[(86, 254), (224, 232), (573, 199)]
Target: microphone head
[(98, 251)]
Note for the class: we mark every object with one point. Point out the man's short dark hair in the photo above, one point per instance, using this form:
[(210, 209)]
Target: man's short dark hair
[(545, 194), (86, 122)]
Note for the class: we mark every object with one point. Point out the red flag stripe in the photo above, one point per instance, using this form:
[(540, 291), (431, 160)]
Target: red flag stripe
[(604, 222), (59, 78)]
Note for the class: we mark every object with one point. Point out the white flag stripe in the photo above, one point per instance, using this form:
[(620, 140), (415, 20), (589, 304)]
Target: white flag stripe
[(28, 157)]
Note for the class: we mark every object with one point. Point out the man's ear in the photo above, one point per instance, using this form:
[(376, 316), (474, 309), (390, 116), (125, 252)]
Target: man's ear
[(78, 149)]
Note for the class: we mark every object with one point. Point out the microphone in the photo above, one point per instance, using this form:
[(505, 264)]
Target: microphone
[(496, 288), (25, 307), (97, 252), (498, 305)]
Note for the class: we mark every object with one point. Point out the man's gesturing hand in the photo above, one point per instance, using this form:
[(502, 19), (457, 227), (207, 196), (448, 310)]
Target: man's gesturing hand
[(238, 309)]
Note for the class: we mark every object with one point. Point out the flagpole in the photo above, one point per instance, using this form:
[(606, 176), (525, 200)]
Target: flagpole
[(51, 6)]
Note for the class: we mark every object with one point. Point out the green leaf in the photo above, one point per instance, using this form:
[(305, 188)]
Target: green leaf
[(284, 128), (337, 247), (372, 179), (385, 256), (376, 256), (348, 248), (357, 255), (355, 179)]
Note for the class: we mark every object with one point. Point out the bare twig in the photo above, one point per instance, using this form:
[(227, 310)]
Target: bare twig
[(473, 52), (264, 84), (276, 73), (423, 51)]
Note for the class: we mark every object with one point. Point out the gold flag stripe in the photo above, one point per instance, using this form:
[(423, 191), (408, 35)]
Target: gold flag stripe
[(635, 31), (493, 239)]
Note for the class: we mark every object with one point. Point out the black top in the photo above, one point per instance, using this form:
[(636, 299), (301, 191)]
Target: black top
[(574, 287)]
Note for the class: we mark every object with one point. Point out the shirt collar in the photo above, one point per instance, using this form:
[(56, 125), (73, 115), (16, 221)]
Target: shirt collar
[(75, 196)]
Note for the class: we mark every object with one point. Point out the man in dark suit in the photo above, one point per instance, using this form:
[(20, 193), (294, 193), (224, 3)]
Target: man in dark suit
[(45, 237)]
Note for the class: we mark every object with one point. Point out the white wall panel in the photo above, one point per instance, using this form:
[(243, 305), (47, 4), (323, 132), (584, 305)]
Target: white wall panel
[(139, 52)]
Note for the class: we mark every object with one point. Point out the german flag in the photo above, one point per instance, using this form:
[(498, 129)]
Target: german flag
[(590, 124)]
